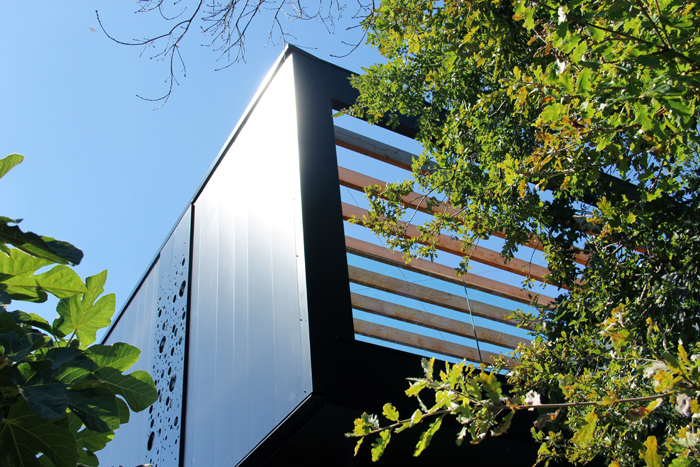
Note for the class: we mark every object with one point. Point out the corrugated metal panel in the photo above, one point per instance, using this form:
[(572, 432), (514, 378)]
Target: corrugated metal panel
[(135, 327), (249, 352), (155, 322)]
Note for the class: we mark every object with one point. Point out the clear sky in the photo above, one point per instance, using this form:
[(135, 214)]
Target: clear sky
[(103, 170)]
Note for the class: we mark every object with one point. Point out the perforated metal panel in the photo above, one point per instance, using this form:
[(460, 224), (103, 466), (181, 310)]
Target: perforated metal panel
[(168, 362)]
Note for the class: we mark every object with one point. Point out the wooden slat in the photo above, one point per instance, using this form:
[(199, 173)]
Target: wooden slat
[(442, 272), (427, 343), (428, 295), (477, 253), (358, 181), (374, 149), (380, 151), (433, 321)]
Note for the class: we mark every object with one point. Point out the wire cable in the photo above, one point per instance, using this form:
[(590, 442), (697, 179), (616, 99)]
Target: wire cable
[(476, 338)]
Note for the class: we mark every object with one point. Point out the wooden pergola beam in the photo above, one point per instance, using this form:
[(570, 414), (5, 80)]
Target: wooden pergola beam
[(422, 342), (442, 272), (376, 150), (358, 181), (429, 295), (477, 253), (433, 321)]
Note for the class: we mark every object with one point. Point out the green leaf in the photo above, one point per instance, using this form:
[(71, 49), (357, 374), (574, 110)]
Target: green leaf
[(17, 348), (416, 417), (415, 388), (124, 412), (650, 455), (597, 34), (642, 116), (136, 388), (83, 315), (8, 324), (390, 412), (61, 281), (584, 435), (357, 446), (427, 436), (18, 262), (380, 445), (33, 320), (64, 250), (583, 81), (5, 298), (120, 356), (504, 425), (24, 287), (579, 51), (87, 458), (62, 355), (97, 408), (93, 440), (8, 162), (70, 373), (47, 400), (551, 113), (43, 247), (9, 388), (37, 435)]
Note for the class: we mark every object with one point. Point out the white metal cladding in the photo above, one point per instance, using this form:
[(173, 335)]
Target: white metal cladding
[(249, 362), (155, 322)]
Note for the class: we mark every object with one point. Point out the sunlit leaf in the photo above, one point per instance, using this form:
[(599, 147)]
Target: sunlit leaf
[(650, 454), (136, 388), (8, 162), (85, 314)]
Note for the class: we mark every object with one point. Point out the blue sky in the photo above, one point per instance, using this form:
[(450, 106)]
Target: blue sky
[(103, 170)]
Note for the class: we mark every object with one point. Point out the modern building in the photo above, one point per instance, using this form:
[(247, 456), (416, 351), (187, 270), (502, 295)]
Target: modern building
[(269, 323)]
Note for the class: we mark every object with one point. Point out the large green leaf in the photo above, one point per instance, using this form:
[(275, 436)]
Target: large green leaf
[(84, 315), (32, 319), (22, 284), (136, 388), (42, 247), (93, 440), (87, 458), (120, 356), (7, 162), (23, 435), (8, 324), (62, 355), (86, 440), (46, 397), (97, 408), (124, 412), (24, 287), (70, 373), (17, 348), (64, 250), (5, 298), (61, 281), (47, 400), (18, 262)]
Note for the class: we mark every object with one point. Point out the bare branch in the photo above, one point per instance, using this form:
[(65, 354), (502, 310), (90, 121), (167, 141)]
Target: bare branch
[(225, 24)]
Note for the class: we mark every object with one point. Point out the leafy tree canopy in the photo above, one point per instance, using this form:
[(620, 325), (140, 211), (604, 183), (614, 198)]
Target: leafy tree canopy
[(59, 399), (574, 123)]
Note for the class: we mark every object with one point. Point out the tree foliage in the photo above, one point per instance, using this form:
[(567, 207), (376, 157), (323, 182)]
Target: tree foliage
[(574, 123), (59, 398)]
